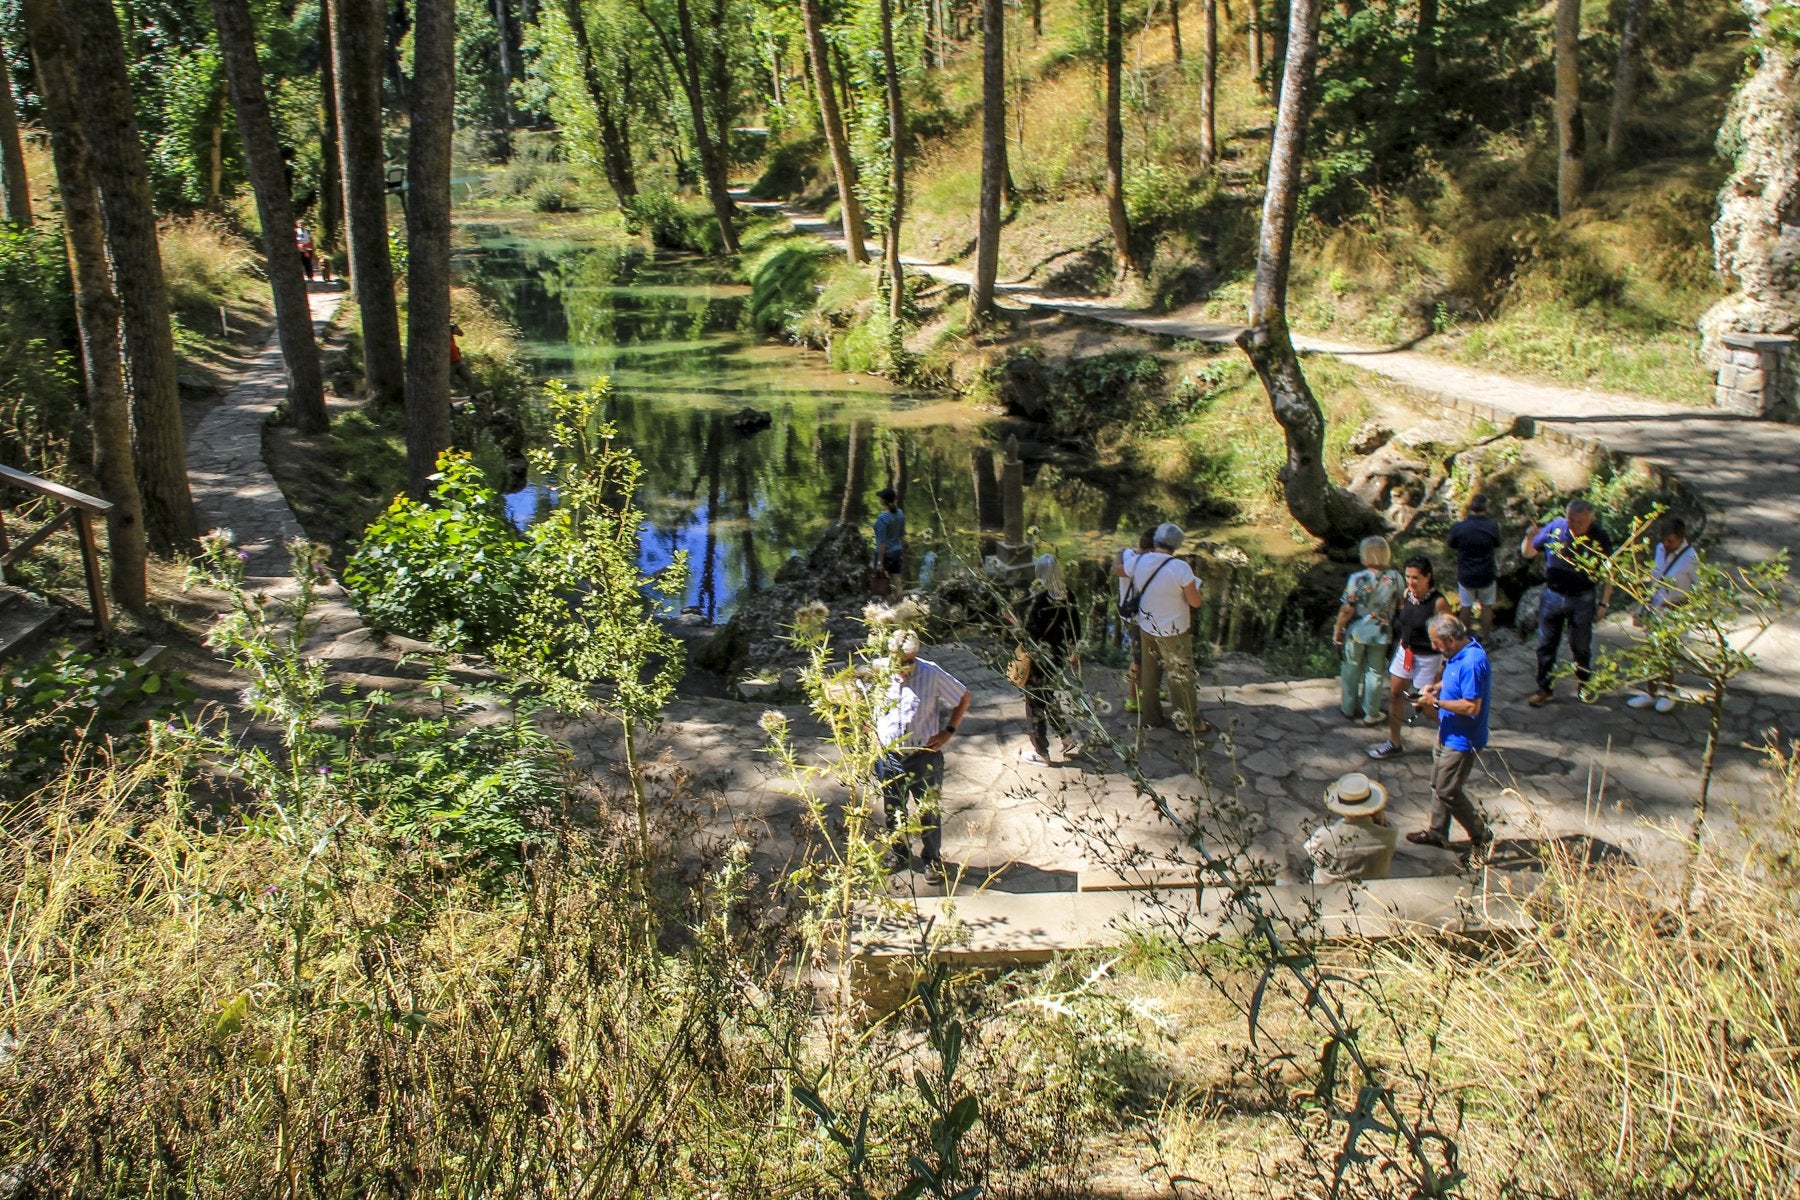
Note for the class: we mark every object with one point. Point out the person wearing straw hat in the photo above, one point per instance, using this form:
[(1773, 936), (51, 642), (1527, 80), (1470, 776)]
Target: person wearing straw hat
[(1360, 843)]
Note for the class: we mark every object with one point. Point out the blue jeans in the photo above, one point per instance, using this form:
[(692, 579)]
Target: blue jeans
[(915, 775), (1576, 613)]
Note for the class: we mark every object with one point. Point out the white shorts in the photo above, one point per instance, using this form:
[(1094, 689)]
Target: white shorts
[(1424, 671), (1469, 597)]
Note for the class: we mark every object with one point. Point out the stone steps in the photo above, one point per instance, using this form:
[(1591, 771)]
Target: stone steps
[(25, 622)]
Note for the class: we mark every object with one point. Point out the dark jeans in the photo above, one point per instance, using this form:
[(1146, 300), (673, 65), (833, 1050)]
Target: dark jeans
[(916, 775), (1449, 775), (1042, 712), (1576, 613)]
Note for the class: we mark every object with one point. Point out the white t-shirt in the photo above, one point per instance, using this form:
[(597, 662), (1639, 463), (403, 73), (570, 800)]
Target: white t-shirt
[(1675, 574), (1163, 610)]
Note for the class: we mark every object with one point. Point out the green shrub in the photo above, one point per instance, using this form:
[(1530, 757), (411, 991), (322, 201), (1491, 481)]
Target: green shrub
[(206, 265), (43, 425), (450, 569), (672, 224), (784, 280)]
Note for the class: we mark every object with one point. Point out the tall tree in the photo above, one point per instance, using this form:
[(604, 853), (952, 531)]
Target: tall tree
[(268, 179), (331, 177), (1571, 133), (1115, 144), (15, 195), (120, 171), (1631, 32), (1323, 509), (686, 55), (993, 157), (1425, 35), (1175, 29), (613, 127), (1209, 82), (96, 304), (1254, 40), (837, 143), (897, 179), (428, 241), (356, 44)]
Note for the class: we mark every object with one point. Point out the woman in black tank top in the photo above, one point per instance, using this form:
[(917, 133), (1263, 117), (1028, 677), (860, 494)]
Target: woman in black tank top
[(1415, 663)]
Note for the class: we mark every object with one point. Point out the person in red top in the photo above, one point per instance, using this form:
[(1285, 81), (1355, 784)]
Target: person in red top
[(459, 370)]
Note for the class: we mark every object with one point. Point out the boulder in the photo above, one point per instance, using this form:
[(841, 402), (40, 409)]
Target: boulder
[(1368, 439), (1024, 387), (1525, 616), (1377, 477)]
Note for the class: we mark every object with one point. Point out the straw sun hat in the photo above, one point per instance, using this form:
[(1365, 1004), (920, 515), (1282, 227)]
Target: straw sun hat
[(1356, 795)]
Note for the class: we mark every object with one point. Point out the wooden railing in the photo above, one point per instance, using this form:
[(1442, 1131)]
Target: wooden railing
[(78, 508)]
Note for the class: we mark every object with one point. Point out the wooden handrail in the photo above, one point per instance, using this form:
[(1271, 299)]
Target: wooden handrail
[(82, 508)]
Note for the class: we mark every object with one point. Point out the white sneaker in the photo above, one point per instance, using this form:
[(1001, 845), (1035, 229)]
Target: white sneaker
[(1032, 756), (1665, 704), (1640, 700)]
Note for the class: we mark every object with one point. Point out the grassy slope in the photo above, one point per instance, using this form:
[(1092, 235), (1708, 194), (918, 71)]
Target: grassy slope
[(1461, 260)]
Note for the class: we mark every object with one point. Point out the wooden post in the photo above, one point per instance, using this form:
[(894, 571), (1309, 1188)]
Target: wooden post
[(90, 562)]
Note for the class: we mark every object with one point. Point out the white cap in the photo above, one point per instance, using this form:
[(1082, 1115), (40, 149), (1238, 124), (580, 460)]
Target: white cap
[(1169, 536)]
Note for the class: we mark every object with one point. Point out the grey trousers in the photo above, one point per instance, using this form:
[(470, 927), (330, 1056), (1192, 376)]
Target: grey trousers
[(1449, 774)]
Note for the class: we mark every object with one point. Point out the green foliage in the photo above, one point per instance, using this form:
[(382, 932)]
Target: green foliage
[(1300, 652), (194, 108), (206, 265), (672, 224), (784, 279), (450, 568), (43, 425)]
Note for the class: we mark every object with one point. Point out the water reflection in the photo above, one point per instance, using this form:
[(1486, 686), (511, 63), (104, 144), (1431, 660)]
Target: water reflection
[(740, 502)]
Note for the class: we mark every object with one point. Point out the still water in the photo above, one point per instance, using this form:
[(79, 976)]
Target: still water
[(666, 331)]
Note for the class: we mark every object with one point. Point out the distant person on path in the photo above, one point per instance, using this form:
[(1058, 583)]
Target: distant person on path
[(890, 540), (1134, 637), (303, 242), (1474, 540), (1416, 664), (1677, 566), (1461, 701), (1052, 631), (1569, 600), (1167, 593), (459, 370), (1364, 622), (912, 730), (1360, 843)]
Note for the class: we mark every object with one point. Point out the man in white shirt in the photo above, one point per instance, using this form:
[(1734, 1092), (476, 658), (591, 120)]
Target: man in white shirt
[(1168, 593), (1677, 566), (913, 729)]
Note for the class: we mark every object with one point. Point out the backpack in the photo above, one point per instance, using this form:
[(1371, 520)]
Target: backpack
[(1133, 600)]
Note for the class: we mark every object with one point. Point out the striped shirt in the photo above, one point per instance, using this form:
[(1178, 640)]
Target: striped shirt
[(912, 712)]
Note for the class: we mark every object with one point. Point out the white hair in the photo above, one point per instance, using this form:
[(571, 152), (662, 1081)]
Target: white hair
[(1050, 576), (903, 643)]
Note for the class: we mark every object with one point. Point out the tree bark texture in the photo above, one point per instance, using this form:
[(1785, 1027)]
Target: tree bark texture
[(1323, 509), (15, 196), (993, 157), (1631, 33), (1255, 47), (331, 175), (96, 304), (615, 150), (123, 177), (268, 179), (1571, 133), (837, 142), (357, 28), (1425, 48), (1209, 82), (896, 135), (428, 241), (1175, 29), (712, 149), (1115, 144)]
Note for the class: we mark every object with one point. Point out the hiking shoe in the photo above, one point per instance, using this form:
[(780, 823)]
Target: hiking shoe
[(1427, 837), (1387, 749), (1640, 700), (937, 873), (1377, 719), (1540, 698), (1032, 756), (1665, 704)]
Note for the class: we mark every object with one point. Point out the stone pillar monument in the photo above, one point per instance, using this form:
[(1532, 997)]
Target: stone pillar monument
[(1756, 375), (1012, 562)]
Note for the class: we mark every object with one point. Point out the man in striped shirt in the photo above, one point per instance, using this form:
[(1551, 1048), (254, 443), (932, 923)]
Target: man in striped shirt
[(912, 730)]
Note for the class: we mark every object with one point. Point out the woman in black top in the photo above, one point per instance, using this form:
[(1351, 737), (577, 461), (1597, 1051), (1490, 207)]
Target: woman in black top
[(1052, 628), (1416, 665)]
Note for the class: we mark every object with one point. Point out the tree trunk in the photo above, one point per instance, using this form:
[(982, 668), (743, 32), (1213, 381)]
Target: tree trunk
[(215, 153), (1425, 48), (503, 35), (356, 40), (1209, 82), (896, 135), (993, 158), (268, 178), (836, 141), (428, 241), (1255, 40), (615, 154), (1115, 146), (331, 177), (15, 197), (97, 306), (1037, 18), (1624, 78), (1175, 29), (711, 149), (1324, 510), (1571, 134), (124, 181)]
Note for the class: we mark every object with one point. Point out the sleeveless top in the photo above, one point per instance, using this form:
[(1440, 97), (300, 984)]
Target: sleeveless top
[(1411, 626)]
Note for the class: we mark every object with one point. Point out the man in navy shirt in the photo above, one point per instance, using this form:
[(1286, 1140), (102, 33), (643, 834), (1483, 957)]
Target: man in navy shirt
[(1474, 539), (1460, 699), (1569, 600)]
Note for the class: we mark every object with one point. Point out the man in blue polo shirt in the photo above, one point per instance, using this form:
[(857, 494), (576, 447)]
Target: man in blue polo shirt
[(1460, 698), (1569, 600)]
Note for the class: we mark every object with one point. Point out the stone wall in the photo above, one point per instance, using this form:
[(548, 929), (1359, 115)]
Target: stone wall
[(1757, 375)]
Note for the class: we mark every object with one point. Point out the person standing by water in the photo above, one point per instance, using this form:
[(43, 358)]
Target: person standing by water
[(1365, 616), (1461, 701), (303, 242), (1474, 540), (912, 730), (890, 541), (1052, 629), (1416, 664), (1569, 601), (1167, 594)]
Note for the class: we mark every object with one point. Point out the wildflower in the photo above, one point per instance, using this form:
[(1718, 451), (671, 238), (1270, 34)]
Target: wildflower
[(773, 722)]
